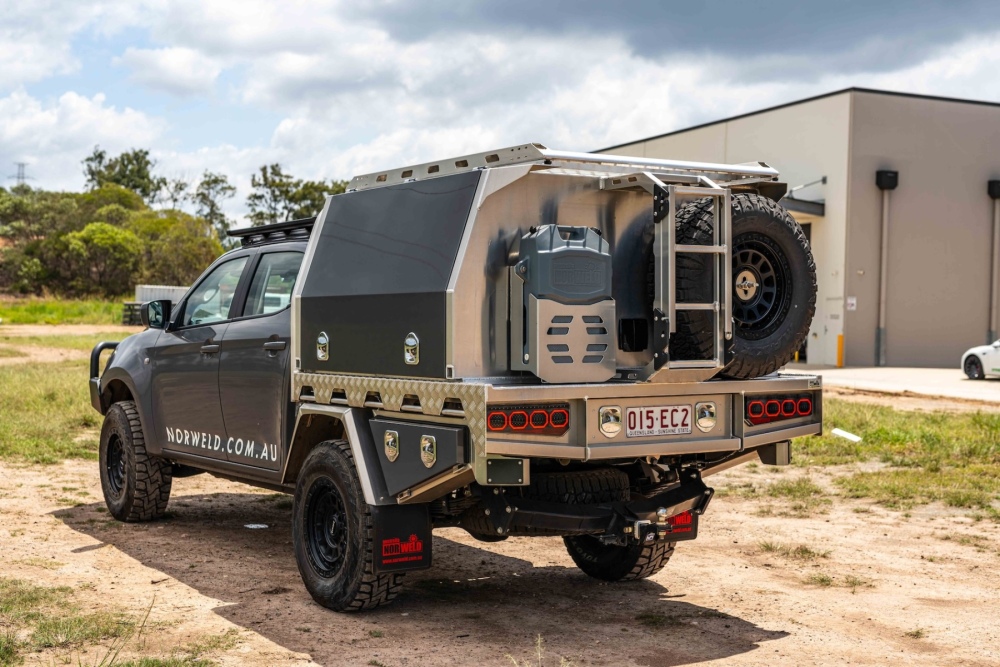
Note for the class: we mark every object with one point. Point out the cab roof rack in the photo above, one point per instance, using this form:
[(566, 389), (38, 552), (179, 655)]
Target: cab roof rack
[(289, 230)]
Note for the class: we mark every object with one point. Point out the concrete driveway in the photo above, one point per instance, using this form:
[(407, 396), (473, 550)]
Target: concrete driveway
[(947, 382)]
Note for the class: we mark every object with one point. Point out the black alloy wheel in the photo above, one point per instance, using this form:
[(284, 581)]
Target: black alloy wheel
[(115, 466), (333, 533), (136, 484), (974, 368), (326, 521), (762, 287)]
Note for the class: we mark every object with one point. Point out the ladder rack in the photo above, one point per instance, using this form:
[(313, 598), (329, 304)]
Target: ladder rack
[(665, 249)]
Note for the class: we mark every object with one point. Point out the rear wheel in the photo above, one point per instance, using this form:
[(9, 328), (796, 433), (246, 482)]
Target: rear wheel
[(332, 533), (136, 485), (612, 562), (974, 368)]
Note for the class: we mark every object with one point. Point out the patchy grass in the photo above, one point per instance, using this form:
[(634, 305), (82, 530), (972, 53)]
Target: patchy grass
[(820, 579), (918, 633), (212, 643), (854, 583), (953, 458), (42, 411), (80, 629), (10, 648), (21, 601), (84, 342), (973, 486), (61, 311), (9, 353), (800, 552)]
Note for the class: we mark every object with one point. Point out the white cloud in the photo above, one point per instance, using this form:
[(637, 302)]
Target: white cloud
[(350, 98), (54, 137), (177, 70)]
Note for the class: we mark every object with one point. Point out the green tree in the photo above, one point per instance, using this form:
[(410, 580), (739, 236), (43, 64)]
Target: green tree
[(101, 259), (132, 170), (212, 191), (175, 191), (276, 196), (271, 198), (177, 246), (308, 197)]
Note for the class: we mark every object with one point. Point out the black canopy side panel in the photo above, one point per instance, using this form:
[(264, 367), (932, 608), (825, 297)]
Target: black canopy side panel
[(380, 271)]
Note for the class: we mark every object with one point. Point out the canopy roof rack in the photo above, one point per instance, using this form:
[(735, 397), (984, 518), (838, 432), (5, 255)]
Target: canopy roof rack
[(278, 231), (526, 153)]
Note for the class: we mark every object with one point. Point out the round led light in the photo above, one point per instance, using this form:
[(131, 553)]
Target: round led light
[(610, 419), (705, 416)]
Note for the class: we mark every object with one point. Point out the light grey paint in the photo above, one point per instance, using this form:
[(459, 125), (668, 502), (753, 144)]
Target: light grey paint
[(938, 284)]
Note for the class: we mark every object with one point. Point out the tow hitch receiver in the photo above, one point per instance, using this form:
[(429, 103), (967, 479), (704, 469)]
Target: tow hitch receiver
[(666, 512)]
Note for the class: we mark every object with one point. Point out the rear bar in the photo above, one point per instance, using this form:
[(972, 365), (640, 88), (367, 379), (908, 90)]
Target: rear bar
[(633, 518)]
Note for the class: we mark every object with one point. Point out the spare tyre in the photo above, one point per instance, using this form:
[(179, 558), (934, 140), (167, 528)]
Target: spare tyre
[(773, 293)]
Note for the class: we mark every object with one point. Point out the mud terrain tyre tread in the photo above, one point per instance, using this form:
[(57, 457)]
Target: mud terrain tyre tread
[(694, 337), (147, 478), (600, 485), (361, 588), (618, 563)]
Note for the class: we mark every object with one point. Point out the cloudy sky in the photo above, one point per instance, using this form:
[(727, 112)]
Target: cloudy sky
[(330, 88)]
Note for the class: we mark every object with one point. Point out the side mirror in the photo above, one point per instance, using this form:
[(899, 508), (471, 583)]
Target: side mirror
[(155, 314)]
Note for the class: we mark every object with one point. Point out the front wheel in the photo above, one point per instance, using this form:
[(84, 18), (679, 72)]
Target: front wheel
[(974, 369), (136, 485), (333, 535), (611, 562)]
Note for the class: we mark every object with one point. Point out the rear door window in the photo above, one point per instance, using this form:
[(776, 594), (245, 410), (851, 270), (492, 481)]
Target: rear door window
[(273, 281)]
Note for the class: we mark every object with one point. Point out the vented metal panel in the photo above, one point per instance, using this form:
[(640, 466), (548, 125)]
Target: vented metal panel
[(571, 343)]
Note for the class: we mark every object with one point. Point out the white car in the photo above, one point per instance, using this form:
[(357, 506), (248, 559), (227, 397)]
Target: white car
[(980, 362)]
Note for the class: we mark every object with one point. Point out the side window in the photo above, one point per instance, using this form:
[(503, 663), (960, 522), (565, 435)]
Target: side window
[(211, 300), (271, 289)]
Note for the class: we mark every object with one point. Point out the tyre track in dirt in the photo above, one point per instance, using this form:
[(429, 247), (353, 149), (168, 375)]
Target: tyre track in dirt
[(721, 600)]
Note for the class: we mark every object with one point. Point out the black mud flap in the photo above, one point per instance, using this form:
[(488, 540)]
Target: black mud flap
[(402, 537)]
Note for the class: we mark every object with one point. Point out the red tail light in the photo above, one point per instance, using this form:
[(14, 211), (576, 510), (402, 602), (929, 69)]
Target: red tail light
[(535, 419), (766, 409)]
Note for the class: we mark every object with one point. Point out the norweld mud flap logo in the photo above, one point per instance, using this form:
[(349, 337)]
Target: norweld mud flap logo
[(396, 551), (238, 446)]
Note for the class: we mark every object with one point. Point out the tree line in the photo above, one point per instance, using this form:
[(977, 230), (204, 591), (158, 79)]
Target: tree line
[(132, 225)]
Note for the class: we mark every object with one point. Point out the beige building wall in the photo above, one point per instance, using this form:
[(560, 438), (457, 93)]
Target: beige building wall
[(940, 227), (804, 142)]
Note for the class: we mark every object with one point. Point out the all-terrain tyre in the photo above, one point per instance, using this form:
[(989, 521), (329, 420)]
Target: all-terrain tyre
[(773, 292), (974, 368), (136, 485), (607, 562), (612, 562), (333, 534), (579, 487)]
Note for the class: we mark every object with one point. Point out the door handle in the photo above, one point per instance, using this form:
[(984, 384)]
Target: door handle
[(274, 345), (210, 349)]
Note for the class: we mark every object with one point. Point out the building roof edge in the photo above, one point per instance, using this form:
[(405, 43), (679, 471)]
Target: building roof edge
[(853, 89)]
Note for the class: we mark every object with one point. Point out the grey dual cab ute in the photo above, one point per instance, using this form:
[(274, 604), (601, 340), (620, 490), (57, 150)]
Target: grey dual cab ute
[(523, 342)]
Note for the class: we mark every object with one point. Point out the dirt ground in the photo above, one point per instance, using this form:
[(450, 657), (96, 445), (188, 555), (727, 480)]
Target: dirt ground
[(723, 599), (887, 587)]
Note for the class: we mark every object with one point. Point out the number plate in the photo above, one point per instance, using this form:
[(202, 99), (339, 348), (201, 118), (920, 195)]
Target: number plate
[(658, 420)]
